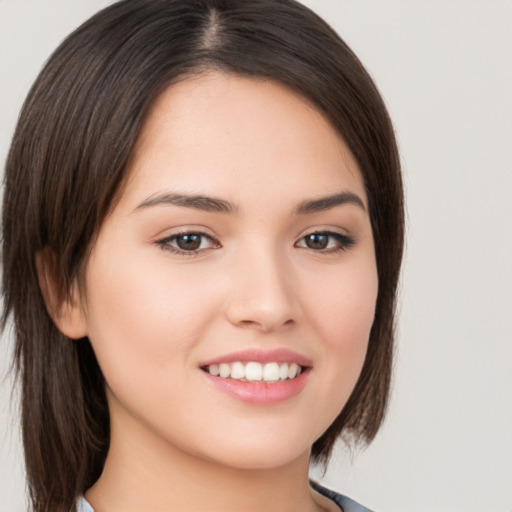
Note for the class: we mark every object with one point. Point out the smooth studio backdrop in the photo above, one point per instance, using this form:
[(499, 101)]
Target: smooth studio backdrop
[(445, 70)]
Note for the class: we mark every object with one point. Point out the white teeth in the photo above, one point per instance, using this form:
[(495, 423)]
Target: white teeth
[(237, 371), (283, 371), (253, 372), (214, 369), (271, 372), (293, 370), (224, 370)]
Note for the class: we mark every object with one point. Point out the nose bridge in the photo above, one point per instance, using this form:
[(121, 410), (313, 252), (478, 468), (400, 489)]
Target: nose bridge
[(262, 292)]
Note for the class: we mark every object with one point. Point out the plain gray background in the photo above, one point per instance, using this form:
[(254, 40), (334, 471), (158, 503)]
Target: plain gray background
[(445, 70)]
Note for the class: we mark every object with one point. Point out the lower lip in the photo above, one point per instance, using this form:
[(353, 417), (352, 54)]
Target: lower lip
[(262, 393)]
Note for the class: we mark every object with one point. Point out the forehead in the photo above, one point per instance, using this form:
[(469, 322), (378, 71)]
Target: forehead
[(233, 136)]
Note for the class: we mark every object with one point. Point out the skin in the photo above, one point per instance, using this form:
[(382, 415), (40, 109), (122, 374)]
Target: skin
[(153, 315)]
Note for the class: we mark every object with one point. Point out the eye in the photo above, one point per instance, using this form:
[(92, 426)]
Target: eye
[(188, 243), (326, 241)]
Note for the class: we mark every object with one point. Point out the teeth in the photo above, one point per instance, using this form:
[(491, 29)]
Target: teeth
[(237, 371), (271, 372), (253, 372), (293, 371), (224, 370)]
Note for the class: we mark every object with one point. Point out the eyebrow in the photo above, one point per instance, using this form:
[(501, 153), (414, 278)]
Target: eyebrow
[(216, 205), (198, 202), (328, 202)]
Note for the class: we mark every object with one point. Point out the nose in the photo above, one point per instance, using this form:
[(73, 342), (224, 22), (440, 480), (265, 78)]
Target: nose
[(262, 293)]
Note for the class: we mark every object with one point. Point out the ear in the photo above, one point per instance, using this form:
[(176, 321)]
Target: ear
[(65, 309)]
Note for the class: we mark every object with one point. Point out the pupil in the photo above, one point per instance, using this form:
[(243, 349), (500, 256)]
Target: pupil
[(189, 242), (317, 241)]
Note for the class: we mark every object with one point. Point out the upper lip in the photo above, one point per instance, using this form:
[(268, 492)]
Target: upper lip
[(280, 355)]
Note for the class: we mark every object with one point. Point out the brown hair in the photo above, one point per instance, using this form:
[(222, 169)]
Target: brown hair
[(67, 161)]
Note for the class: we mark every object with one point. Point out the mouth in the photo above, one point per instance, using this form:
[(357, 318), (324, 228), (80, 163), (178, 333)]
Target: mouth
[(253, 371), (259, 377)]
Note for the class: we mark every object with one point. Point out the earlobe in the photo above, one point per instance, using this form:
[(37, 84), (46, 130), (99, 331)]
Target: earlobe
[(64, 308)]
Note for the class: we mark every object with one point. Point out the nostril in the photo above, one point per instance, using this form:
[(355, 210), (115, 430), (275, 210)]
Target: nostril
[(266, 325)]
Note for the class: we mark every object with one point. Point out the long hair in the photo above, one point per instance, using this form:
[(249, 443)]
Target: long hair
[(66, 166)]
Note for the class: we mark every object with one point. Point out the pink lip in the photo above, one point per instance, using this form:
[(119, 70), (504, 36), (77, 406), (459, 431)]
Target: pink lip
[(261, 393), (280, 355)]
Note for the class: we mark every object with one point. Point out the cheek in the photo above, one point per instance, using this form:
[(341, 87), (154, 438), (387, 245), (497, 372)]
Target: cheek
[(344, 298), (349, 316), (141, 316), (344, 313)]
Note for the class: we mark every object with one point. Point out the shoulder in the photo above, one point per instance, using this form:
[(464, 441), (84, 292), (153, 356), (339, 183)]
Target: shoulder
[(346, 504)]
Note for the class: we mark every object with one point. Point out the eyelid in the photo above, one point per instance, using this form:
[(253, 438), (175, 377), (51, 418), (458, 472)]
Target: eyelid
[(165, 242), (344, 240)]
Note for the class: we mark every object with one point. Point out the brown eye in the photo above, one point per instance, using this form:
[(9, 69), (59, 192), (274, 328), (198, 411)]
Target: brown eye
[(190, 242), (317, 241), (326, 242)]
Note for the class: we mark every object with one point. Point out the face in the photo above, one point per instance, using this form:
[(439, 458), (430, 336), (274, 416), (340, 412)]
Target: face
[(231, 292)]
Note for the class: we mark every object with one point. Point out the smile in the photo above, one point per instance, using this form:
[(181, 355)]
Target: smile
[(255, 372), (260, 377)]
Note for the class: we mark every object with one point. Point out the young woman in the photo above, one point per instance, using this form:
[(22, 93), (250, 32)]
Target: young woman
[(203, 230)]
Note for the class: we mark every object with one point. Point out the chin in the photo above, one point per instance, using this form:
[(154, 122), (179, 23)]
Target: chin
[(254, 460), (257, 453)]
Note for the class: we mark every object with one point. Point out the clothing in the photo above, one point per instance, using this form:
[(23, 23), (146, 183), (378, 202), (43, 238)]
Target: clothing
[(83, 506), (345, 504)]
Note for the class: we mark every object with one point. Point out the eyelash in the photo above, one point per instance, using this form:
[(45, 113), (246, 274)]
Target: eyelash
[(165, 243), (344, 242)]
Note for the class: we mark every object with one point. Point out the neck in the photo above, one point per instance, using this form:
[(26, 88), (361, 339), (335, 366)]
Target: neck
[(143, 472)]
